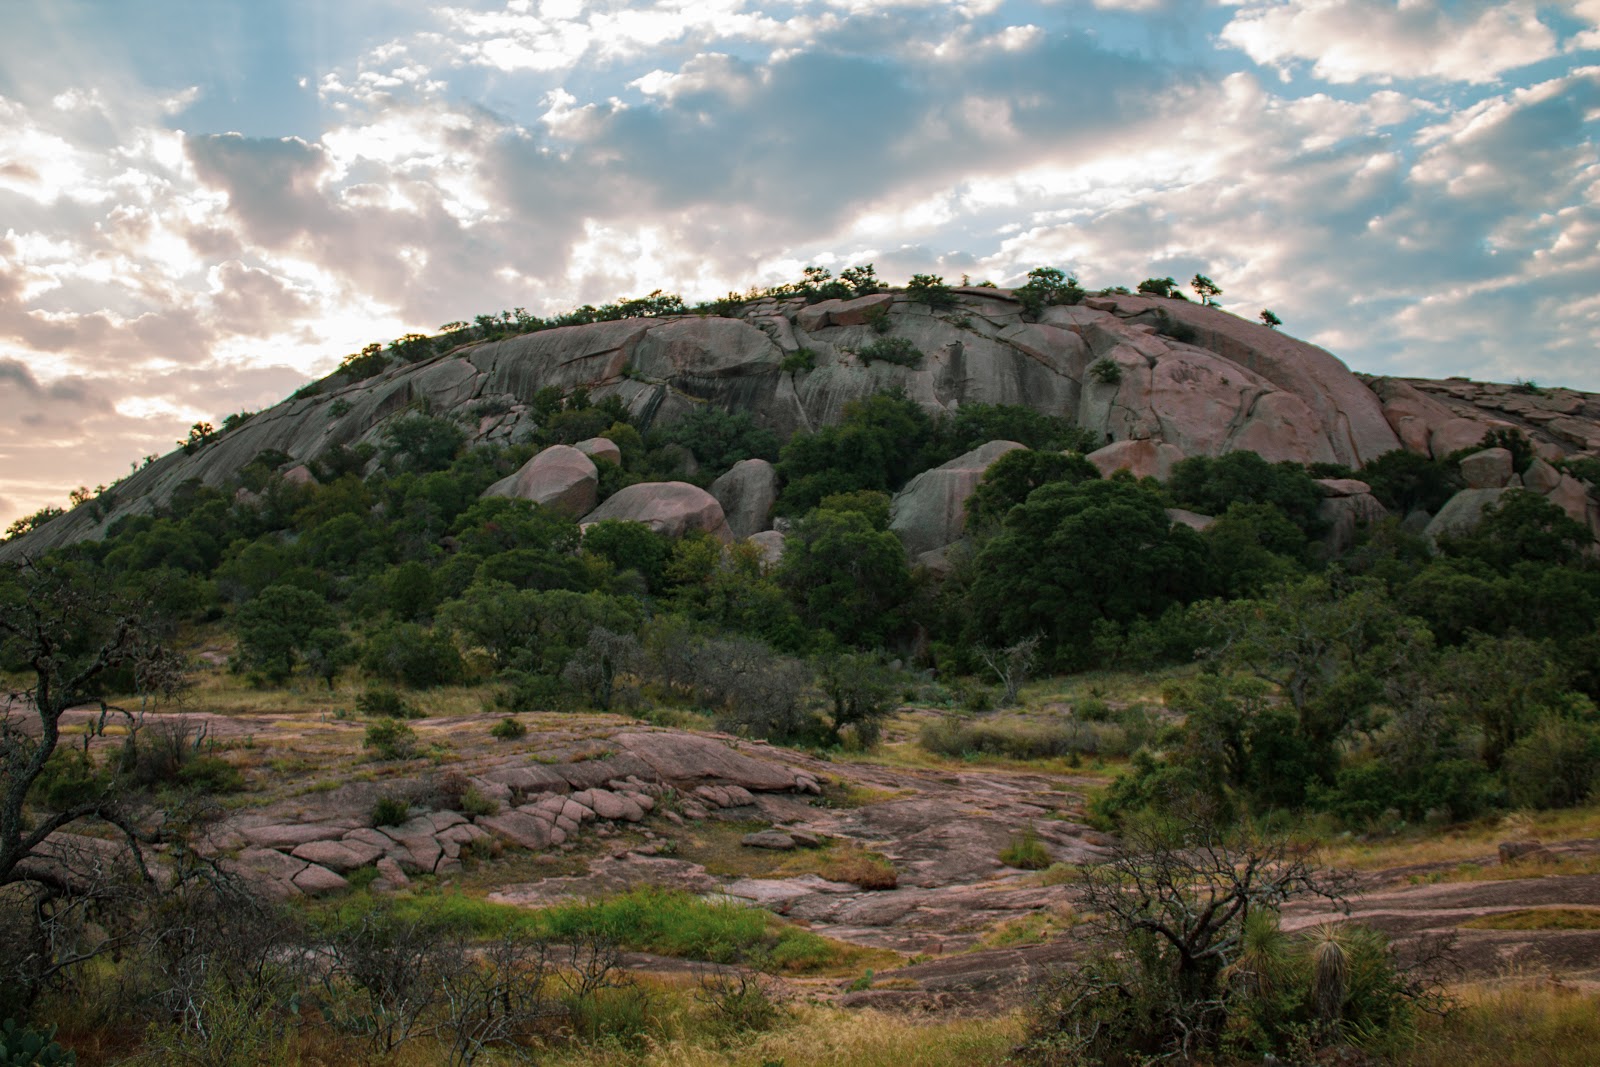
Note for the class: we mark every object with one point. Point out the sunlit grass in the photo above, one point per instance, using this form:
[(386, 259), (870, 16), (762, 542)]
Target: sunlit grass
[(1517, 1025)]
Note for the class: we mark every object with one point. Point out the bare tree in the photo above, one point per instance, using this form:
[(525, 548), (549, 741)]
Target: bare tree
[(60, 624), (1011, 665)]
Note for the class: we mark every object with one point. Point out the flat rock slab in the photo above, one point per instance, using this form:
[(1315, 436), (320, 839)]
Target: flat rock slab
[(289, 835), (769, 839), (519, 828), (339, 856), (685, 760), (316, 881)]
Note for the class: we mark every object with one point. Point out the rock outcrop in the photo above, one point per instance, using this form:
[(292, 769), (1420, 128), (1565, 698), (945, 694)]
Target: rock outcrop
[(560, 477), (670, 508), (747, 493), (931, 511), (1156, 379)]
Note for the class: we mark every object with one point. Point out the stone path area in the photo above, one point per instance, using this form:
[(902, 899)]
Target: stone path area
[(584, 806)]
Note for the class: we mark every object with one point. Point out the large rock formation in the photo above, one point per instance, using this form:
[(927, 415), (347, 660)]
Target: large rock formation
[(747, 493), (1157, 378), (931, 511), (560, 477), (671, 508)]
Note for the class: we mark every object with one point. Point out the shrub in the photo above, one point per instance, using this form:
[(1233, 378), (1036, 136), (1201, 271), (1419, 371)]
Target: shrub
[(390, 811), (413, 656), (854, 864), (1025, 852), (930, 289), (508, 729), (22, 1047), (897, 350), (799, 362), (1556, 766), (1105, 371), (474, 803), (211, 774), (386, 703), (391, 739)]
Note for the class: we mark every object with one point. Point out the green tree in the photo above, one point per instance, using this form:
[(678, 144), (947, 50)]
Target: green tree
[(1074, 554), (1269, 320), (1207, 289), (1014, 476), (847, 577), (1210, 485), (1159, 287), (275, 627), (879, 443), (860, 691), (719, 438)]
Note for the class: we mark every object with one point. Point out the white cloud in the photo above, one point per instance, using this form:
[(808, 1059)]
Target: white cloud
[(1355, 40)]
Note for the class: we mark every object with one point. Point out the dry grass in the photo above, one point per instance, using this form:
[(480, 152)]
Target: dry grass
[(827, 1037), (1470, 841), (1539, 919), (854, 864), (1515, 1025)]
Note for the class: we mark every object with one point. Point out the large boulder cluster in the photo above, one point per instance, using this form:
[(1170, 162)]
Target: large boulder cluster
[(539, 807)]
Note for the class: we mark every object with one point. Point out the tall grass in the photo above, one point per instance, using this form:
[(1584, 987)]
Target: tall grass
[(1524, 1025)]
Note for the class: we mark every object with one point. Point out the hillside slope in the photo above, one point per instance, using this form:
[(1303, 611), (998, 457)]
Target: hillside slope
[(1128, 368)]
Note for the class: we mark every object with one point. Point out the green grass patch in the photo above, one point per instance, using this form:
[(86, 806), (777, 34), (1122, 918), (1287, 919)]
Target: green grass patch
[(665, 922), (1539, 919), (1025, 852)]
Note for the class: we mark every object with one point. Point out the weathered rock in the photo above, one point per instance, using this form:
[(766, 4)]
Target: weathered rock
[(1462, 513), (931, 511), (316, 881), (1346, 515), (771, 544), (1142, 459), (1513, 852), (600, 450), (287, 835), (855, 312), (1194, 520), (670, 508), (1571, 496), (1541, 477), (339, 856), (768, 839), (685, 760), (747, 493), (1336, 487), (519, 828), (560, 477), (1489, 469)]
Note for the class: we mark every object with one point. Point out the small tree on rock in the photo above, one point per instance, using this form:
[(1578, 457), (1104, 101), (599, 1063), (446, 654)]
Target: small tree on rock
[(1206, 289)]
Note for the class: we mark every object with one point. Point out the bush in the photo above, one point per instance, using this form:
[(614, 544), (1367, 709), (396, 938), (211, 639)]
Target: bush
[(860, 868), (386, 703), (474, 803), (799, 362), (413, 656), (1025, 852), (1187, 961), (391, 739), (22, 1047), (1106, 371), (390, 811), (1020, 740), (897, 350), (211, 774), (1556, 766), (508, 729)]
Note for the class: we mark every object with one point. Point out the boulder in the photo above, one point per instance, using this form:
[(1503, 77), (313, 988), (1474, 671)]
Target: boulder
[(519, 828), (1346, 515), (931, 511), (600, 450), (769, 839), (671, 508), (1541, 477), (771, 545), (857, 312), (314, 881), (1192, 519), (747, 492), (1143, 459), (686, 760), (1513, 852), (339, 856), (1335, 487), (1489, 469), (1461, 513), (560, 477), (1571, 496)]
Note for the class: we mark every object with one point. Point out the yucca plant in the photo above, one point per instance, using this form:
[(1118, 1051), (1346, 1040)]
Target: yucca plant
[(1330, 973)]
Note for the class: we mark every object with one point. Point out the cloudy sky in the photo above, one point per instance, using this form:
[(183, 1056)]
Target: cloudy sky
[(203, 203)]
